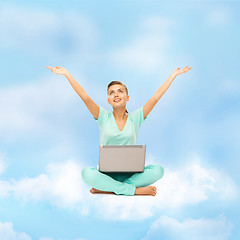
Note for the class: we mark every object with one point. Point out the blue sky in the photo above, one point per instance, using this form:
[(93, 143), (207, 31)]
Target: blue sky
[(47, 135)]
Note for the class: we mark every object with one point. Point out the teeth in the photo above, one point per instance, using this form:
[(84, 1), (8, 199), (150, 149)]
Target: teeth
[(117, 100)]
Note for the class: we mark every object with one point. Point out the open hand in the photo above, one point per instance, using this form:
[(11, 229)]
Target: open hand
[(58, 70), (179, 71)]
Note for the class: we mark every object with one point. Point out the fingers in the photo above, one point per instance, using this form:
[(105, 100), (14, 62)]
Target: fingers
[(185, 69), (51, 68)]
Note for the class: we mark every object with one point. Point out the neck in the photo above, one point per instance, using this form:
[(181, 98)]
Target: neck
[(119, 113)]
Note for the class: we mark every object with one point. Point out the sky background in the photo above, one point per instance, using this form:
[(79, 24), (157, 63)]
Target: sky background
[(47, 135)]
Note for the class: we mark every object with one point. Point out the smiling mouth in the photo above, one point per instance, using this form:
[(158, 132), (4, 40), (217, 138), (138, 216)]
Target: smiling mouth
[(118, 100)]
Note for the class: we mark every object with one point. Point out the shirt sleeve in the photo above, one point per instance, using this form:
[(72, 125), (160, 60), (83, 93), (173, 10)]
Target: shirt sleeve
[(102, 116), (137, 117)]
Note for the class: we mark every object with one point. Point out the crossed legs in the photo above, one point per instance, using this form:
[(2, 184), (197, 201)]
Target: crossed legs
[(136, 184)]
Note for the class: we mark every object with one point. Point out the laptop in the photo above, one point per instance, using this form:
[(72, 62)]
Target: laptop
[(122, 158)]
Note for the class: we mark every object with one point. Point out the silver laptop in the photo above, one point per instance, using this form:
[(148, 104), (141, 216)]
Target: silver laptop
[(122, 158)]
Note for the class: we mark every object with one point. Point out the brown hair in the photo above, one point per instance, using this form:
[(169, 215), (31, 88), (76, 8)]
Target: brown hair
[(117, 82)]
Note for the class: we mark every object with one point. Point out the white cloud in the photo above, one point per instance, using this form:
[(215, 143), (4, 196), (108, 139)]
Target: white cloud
[(189, 229), (193, 184), (8, 233), (39, 31), (186, 186), (148, 50), (63, 186)]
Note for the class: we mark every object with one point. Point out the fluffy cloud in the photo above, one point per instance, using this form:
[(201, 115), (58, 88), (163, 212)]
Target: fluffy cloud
[(62, 186), (8, 233), (197, 229), (178, 188), (193, 184)]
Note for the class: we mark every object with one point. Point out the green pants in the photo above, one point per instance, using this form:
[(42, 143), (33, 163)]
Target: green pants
[(122, 183)]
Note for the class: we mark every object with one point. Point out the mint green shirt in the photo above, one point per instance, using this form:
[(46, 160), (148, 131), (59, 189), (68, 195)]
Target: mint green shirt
[(110, 133)]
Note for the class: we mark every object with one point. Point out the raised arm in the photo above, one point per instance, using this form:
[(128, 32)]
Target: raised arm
[(91, 105), (147, 108)]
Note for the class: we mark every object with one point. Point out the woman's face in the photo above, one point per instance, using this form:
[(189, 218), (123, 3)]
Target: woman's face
[(117, 92)]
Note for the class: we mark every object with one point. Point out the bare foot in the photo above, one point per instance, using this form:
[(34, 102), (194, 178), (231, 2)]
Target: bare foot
[(149, 190), (94, 190)]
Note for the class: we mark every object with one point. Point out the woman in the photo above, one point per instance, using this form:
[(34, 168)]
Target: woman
[(120, 128)]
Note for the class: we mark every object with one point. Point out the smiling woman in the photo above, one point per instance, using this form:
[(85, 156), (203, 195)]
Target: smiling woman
[(120, 128), (121, 89)]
